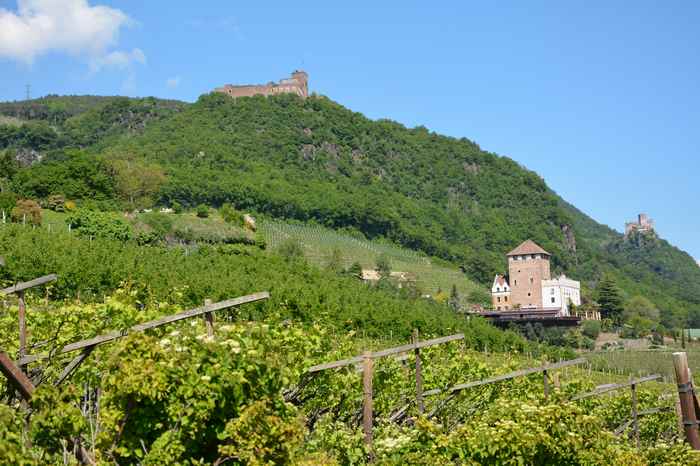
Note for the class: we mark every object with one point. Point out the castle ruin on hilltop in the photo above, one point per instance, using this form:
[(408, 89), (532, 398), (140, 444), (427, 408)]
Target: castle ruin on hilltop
[(643, 225), (297, 83)]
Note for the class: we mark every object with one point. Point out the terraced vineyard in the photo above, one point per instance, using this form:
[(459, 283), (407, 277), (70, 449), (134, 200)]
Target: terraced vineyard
[(319, 243)]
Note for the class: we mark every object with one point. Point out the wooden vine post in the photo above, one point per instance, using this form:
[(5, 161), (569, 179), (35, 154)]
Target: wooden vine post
[(419, 375), (367, 420), (209, 319), (367, 362), (545, 382), (686, 397), (19, 290), (22, 320), (635, 420)]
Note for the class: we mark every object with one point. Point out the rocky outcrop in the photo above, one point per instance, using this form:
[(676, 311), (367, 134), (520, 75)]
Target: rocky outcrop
[(569, 237), (28, 157)]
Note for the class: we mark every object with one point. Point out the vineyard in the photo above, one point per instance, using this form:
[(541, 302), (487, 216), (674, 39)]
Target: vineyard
[(642, 362), (280, 367), (319, 243)]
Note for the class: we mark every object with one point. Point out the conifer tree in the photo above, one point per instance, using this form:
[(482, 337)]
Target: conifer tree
[(610, 299), (454, 299)]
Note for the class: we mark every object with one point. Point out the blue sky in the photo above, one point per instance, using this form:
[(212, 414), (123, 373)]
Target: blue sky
[(600, 98)]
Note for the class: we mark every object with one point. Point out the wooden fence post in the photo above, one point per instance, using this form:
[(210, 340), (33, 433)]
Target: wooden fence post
[(419, 375), (22, 318), (367, 403), (635, 420), (685, 395), (545, 381), (209, 319)]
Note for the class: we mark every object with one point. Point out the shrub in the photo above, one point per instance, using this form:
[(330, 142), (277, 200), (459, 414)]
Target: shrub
[(95, 224), (591, 328), (28, 211), (290, 249), (231, 215), (56, 202), (202, 211), (161, 224), (177, 207)]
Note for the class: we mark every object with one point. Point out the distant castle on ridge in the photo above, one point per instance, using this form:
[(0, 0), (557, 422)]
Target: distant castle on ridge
[(297, 83), (643, 225)]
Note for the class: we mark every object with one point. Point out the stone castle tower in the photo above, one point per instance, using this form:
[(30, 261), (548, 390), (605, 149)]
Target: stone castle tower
[(528, 265)]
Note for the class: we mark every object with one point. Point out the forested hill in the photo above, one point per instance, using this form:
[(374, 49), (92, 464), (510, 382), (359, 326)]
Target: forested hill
[(315, 160)]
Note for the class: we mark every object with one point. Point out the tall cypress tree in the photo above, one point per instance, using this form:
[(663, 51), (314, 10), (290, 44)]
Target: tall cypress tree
[(610, 299)]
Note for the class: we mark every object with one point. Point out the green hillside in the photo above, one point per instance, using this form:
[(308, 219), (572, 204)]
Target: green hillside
[(314, 160)]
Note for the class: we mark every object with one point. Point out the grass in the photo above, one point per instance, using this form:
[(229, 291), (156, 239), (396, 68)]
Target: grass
[(319, 243)]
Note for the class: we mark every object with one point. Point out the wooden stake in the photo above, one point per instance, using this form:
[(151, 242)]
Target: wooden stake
[(209, 319), (22, 318), (635, 420), (545, 381), (419, 375), (685, 395), (367, 405)]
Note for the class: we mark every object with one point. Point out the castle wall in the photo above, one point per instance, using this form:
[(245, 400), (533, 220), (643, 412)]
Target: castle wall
[(526, 273), (297, 84)]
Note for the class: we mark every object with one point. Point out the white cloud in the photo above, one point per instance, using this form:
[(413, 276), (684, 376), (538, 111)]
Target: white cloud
[(71, 26), (173, 82), (118, 59)]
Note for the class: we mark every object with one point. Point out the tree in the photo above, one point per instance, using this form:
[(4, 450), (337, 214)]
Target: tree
[(335, 260), (355, 270), (202, 211), (641, 307), (454, 301), (231, 215), (56, 202), (610, 299), (27, 211), (383, 265), (137, 181)]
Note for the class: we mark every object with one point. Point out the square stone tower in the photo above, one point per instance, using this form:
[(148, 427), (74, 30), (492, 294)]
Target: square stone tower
[(528, 265)]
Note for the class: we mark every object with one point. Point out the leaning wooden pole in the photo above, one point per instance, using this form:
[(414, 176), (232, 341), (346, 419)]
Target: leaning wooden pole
[(685, 395), (16, 377)]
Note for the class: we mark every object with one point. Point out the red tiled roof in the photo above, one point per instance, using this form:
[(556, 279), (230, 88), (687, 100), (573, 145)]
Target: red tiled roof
[(528, 247)]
